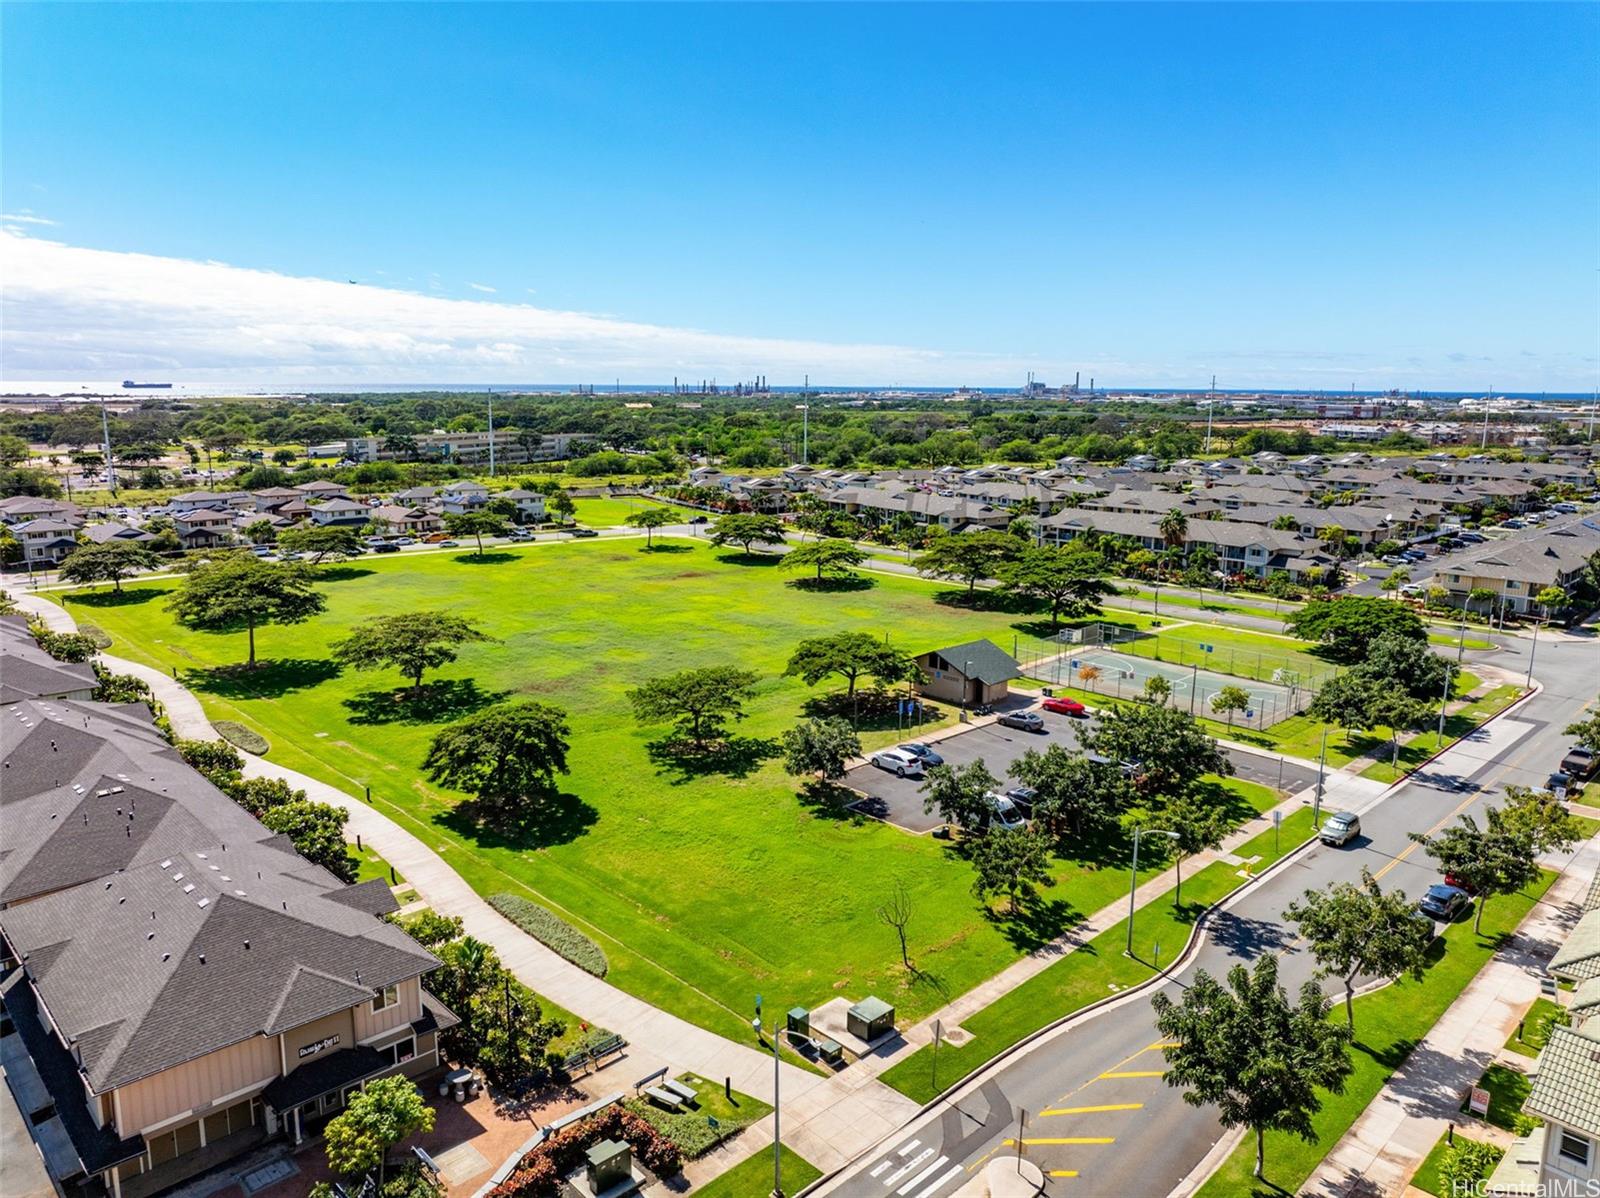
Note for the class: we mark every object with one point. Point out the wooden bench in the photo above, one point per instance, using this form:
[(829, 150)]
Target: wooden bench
[(665, 1097)]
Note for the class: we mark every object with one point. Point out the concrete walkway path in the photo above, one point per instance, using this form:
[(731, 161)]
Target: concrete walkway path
[(1390, 1140)]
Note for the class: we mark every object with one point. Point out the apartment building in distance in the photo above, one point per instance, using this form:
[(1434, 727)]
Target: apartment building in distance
[(510, 447), (180, 986)]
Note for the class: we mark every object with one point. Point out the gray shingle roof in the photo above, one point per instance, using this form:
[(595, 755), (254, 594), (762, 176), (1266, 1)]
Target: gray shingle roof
[(30, 672), (1567, 1089)]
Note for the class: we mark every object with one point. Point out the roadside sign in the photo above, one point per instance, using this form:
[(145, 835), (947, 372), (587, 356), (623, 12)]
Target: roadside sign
[(1277, 819), (1479, 1103)]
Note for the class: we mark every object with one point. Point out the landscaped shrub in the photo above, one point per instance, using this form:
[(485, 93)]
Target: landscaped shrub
[(689, 1130), (100, 637), (555, 933), (539, 1173), (1467, 1164), (247, 739)]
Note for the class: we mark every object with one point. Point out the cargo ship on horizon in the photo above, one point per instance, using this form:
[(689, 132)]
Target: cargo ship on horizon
[(129, 383)]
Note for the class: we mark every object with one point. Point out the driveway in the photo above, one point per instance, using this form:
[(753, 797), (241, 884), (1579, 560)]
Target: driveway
[(899, 800)]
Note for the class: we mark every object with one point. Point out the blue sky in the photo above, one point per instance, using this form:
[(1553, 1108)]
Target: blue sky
[(1316, 195)]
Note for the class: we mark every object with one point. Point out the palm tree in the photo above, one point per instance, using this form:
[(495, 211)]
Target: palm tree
[(1175, 528), (1285, 523), (1334, 539)]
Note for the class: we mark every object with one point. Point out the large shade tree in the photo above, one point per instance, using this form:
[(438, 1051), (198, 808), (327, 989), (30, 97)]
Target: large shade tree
[(111, 561), (968, 557), (1070, 579), (506, 756), (834, 557), (411, 642), (1249, 1051), (239, 592), (699, 702), (1166, 749), (851, 656), (747, 529), (476, 525), (321, 542)]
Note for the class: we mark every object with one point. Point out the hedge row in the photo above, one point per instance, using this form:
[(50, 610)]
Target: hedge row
[(238, 735), (555, 933)]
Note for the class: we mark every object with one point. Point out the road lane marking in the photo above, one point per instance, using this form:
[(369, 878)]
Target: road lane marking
[(1132, 1073), (905, 1148), (889, 1182), (1063, 1173), (953, 1171), (921, 1177), (1093, 1110), (1029, 1143), (1163, 1044)]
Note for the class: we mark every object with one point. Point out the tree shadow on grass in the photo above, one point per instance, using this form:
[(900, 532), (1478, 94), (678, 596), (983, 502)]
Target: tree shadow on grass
[(870, 710), (439, 702), (129, 598), (985, 600), (271, 679), (666, 547), (750, 559), (1035, 923), (681, 761), (829, 586), (1229, 802), (342, 573), (554, 819), (486, 559), (828, 800)]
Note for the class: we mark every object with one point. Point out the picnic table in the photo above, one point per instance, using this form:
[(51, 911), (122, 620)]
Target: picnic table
[(665, 1097), (686, 1092)]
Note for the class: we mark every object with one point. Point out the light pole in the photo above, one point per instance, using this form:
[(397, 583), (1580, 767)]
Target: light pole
[(1133, 878), (1322, 762), (778, 1032), (1444, 702), (1532, 649), (966, 681)]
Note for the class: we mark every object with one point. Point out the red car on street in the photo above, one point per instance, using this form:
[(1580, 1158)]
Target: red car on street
[(1063, 706)]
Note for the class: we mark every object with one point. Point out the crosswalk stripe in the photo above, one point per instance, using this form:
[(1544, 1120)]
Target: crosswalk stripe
[(905, 1148), (921, 1177), (932, 1186), (889, 1182), (882, 1165)]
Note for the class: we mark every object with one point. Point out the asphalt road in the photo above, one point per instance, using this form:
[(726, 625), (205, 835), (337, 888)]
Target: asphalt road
[(1100, 1119), (899, 800)]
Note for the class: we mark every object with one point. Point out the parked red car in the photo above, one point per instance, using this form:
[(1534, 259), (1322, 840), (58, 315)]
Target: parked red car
[(1064, 706)]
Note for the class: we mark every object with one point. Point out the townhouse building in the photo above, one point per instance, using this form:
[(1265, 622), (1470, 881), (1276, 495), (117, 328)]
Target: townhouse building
[(510, 447), (45, 541), (1514, 571), (30, 672)]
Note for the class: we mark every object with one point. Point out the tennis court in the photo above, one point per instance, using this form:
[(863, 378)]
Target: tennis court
[(1104, 671)]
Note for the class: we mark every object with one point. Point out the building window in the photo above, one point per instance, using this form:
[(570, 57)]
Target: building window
[(386, 998), (1574, 1148), (400, 1051)]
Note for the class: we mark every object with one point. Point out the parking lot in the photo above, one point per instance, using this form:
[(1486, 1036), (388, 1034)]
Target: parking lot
[(898, 800)]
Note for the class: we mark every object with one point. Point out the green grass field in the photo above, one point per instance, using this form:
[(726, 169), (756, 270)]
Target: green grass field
[(753, 1175), (704, 888), (1536, 1025), (1389, 1023), (608, 512)]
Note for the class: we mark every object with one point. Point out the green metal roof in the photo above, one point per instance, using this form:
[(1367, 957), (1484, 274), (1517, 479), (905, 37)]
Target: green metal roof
[(981, 659)]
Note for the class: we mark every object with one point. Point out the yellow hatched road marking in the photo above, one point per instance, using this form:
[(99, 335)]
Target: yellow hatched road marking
[(1091, 1110)]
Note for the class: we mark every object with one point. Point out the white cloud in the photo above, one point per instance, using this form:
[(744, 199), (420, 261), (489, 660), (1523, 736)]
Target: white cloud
[(483, 287), (25, 216), (70, 311)]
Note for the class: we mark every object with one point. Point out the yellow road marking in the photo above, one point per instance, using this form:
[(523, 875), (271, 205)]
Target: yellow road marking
[(1134, 1073), (1091, 1110), (1027, 1143), (1163, 1044), (1063, 1173)]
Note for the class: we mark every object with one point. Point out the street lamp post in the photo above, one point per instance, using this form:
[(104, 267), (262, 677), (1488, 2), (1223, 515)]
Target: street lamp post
[(1532, 649), (1133, 878), (966, 681), (1322, 762), (778, 1032)]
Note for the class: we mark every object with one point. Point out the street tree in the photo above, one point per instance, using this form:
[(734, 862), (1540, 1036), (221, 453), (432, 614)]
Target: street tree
[(1229, 701), (1495, 859), (820, 747), (1550, 600), (563, 507), (320, 541), (1361, 932), (1075, 793), (1174, 528), (960, 793), (1157, 689), (968, 558), (317, 830), (1540, 819), (834, 557), (1070, 578), (110, 561), (850, 655), (1014, 862), (506, 756), (747, 529), (1404, 664), (1195, 822), (1167, 747), (378, 1117), (1398, 577), (240, 592), (650, 519), (1347, 627), (1247, 1050), (476, 525), (411, 642), (1587, 728), (261, 532), (700, 701)]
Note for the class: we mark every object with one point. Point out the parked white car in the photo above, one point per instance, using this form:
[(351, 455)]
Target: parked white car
[(898, 762)]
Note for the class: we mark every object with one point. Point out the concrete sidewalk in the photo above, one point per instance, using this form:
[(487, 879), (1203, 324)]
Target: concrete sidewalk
[(1389, 1141)]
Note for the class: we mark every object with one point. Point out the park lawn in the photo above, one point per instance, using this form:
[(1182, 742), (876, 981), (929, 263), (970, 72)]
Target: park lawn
[(753, 1175), (1536, 1025), (1453, 640), (1389, 1023), (1212, 601), (1425, 744), (704, 889), (1093, 971), (371, 865), (602, 512)]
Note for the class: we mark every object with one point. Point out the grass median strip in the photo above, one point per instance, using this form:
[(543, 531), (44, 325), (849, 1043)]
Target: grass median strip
[(1389, 1024), (1093, 971), (753, 1175)]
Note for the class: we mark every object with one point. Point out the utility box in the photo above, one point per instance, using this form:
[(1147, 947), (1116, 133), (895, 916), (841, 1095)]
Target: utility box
[(870, 1018), (800, 1021), (609, 1162)]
